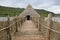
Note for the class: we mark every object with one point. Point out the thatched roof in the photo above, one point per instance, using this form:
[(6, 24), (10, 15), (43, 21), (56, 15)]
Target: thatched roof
[(29, 11)]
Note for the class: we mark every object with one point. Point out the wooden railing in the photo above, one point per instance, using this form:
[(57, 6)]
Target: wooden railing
[(44, 27), (48, 28), (52, 32), (5, 33), (11, 28)]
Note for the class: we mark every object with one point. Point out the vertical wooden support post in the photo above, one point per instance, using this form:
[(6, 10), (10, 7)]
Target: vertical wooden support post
[(20, 22), (32, 18), (35, 20), (23, 19), (16, 24), (42, 29), (8, 30), (38, 23), (49, 25)]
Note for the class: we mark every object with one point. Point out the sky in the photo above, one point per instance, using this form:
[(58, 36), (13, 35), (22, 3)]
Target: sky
[(50, 5)]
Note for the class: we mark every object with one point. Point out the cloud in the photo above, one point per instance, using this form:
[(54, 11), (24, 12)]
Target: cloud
[(55, 9), (51, 5), (57, 2)]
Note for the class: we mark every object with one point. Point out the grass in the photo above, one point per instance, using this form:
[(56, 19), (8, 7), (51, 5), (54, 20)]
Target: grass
[(4, 11)]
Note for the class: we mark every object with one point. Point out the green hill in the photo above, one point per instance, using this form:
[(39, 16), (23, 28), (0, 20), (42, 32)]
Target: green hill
[(43, 12), (4, 11)]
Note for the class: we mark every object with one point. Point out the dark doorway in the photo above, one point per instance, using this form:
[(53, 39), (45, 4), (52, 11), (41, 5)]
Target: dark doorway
[(28, 17)]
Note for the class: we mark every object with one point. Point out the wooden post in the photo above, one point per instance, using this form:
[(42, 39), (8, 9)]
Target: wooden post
[(16, 24), (32, 18), (20, 22), (49, 25), (8, 30), (39, 24), (35, 20)]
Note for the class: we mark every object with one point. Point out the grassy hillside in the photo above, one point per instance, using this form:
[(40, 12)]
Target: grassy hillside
[(44, 12), (4, 11)]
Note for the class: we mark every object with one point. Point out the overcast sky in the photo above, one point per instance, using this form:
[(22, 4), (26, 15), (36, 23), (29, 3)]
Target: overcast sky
[(50, 5)]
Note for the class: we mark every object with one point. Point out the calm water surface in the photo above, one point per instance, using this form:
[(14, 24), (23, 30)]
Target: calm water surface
[(57, 19)]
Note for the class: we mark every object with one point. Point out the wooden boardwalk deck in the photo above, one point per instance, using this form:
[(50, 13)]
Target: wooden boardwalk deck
[(28, 31)]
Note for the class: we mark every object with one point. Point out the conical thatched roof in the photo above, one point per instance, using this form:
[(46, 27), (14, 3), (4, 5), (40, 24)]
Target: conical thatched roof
[(29, 11)]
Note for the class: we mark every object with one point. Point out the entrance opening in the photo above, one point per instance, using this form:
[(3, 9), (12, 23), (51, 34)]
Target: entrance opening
[(28, 17)]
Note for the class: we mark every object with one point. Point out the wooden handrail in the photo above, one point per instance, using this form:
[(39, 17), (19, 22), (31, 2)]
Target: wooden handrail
[(50, 28), (9, 25)]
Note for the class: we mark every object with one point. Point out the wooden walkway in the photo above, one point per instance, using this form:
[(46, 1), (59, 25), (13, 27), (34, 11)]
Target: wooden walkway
[(28, 31)]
